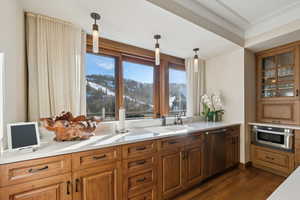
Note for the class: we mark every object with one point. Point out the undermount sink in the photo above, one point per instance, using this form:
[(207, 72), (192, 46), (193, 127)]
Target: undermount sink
[(176, 127)]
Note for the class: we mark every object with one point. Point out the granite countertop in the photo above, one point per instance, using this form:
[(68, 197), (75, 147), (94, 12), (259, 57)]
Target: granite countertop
[(275, 125), (52, 148), (289, 189)]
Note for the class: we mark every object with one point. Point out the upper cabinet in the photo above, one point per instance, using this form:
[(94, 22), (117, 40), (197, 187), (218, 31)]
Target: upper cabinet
[(278, 85), (278, 74)]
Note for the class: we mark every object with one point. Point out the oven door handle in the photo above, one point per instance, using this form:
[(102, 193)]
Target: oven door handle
[(274, 132)]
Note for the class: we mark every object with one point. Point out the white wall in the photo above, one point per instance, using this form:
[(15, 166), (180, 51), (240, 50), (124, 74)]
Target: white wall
[(225, 74), (12, 44)]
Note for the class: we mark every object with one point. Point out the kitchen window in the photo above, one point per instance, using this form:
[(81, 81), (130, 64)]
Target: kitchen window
[(100, 86), (125, 76), (177, 91), (138, 81)]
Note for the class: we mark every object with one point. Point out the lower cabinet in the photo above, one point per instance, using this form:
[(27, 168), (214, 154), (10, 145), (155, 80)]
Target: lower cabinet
[(180, 169), (171, 173), (152, 170), (98, 183), (194, 165), (53, 188), (275, 161), (232, 147)]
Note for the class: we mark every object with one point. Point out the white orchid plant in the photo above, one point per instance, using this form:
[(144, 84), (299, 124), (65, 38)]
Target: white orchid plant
[(212, 107)]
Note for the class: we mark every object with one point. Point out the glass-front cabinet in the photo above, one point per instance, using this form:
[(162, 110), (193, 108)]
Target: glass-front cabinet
[(278, 86), (278, 75)]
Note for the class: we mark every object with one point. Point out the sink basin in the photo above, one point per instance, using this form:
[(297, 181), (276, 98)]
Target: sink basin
[(160, 129), (177, 127)]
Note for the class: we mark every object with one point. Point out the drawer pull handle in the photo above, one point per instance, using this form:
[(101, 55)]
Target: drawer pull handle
[(68, 188), (140, 162), (140, 148), (76, 185), (99, 157), (38, 170), (141, 180), (269, 158), (172, 142)]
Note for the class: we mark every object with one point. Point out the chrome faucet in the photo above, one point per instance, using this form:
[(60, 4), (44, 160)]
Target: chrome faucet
[(178, 119), (164, 121)]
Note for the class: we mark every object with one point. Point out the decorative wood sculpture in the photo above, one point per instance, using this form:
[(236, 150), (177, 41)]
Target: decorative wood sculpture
[(67, 127)]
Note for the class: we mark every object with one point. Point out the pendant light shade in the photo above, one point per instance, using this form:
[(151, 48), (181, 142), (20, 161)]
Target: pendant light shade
[(96, 17), (196, 59), (157, 50)]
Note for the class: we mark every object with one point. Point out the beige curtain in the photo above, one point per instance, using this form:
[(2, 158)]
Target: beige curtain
[(55, 57), (195, 86)]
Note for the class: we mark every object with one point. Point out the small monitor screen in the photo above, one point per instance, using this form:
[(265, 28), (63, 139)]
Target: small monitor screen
[(23, 136)]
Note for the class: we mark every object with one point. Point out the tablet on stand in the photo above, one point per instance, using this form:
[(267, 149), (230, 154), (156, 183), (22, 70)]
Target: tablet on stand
[(23, 136)]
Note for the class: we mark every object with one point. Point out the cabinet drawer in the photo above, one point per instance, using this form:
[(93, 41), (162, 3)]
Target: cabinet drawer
[(51, 188), (138, 164), (139, 149), (94, 158), (171, 143), (141, 180), (21, 172), (149, 195), (274, 160)]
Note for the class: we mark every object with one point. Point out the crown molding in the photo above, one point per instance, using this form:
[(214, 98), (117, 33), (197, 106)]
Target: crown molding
[(277, 13), (191, 10)]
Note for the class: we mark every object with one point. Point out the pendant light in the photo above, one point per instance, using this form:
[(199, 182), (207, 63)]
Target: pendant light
[(96, 17), (196, 59), (157, 50)]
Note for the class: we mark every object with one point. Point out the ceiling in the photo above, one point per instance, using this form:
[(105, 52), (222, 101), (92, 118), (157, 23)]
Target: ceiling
[(135, 22), (255, 24), (247, 14)]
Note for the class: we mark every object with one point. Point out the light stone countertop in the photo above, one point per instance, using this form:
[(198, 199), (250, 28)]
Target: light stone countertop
[(276, 125), (52, 148), (289, 189)]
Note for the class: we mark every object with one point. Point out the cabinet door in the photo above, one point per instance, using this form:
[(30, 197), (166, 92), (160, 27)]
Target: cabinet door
[(278, 74), (53, 188), (282, 112), (99, 183), (232, 151), (171, 173), (194, 165)]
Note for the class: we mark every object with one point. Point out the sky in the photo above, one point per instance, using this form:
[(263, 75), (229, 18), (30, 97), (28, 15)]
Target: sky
[(96, 64)]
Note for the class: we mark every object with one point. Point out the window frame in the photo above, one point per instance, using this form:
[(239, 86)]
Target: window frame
[(124, 52), (176, 67), (150, 63)]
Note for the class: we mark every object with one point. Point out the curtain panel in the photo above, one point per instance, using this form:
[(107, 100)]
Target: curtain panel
[(195, 86), (56, 72)]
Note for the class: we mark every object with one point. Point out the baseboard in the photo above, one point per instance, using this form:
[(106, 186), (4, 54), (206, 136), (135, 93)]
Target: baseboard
[(245, 165)]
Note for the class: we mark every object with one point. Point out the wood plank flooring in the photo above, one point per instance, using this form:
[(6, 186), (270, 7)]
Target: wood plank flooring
[(249, 184)]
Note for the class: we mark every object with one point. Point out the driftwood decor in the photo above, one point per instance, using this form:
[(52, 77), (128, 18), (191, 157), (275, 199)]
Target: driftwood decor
[(67, 127)]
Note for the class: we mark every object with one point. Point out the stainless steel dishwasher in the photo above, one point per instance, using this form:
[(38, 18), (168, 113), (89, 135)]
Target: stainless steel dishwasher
[(215, 152)]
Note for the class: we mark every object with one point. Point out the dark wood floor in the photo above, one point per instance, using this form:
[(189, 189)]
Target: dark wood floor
[(249, 184)]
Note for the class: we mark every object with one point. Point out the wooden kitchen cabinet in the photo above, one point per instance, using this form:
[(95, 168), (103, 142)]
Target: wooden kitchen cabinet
[(53, 188), (180, 166), (150, 170), (272, 160), (98, 183), (232, 147), (278, 82), (171, 173), (194, 165)]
